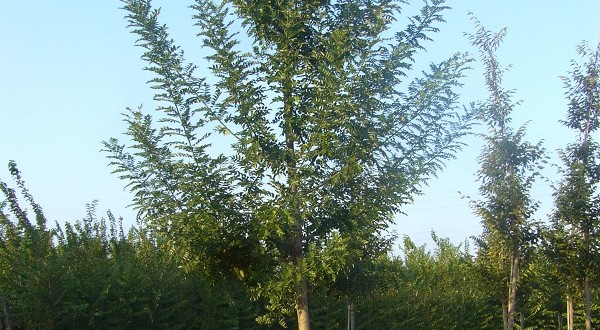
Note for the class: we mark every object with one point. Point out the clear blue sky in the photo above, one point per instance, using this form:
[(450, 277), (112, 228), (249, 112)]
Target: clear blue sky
[(68, 69)]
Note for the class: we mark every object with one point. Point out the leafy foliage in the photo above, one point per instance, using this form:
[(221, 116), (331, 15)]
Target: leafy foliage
[(92, 275), (318, 144)]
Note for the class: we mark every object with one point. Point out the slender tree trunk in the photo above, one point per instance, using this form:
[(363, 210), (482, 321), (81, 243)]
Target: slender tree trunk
[(7, 316), (570, 313), (302, 306), (504, 315), (302, 296), (522, 320), (297, 240), (588, 303), (512, 290), (351, 316), (560, 321)]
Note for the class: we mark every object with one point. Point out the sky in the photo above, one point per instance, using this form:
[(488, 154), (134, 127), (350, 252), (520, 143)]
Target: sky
[(69, 68)]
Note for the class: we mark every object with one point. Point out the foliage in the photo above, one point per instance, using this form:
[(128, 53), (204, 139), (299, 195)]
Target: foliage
[(423, 288), (103, 278), (297, 145), (540, 294), (92, 275), (441, 288), (318, 150)]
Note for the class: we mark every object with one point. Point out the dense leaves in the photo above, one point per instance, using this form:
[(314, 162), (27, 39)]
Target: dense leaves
[(93, 275)]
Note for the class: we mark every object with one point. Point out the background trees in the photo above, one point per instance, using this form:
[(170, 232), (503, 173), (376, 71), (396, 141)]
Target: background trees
[(93, 275), (299, 146)]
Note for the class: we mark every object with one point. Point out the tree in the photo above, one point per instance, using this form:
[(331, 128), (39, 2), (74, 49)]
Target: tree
[(576, 221), (509, 165), (322, 146)]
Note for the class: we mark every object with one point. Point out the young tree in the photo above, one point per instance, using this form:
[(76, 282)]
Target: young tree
[(576, 222), (508, 168), (322, 146)]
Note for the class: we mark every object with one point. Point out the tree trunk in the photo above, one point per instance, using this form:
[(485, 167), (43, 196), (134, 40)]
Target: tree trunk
[(560, 321), (302, 296), (522, 320), (512, 290), (569, 313), (351, 316), (7, 316), (504, 315), (302, 306), (297, 240), (588, 303)]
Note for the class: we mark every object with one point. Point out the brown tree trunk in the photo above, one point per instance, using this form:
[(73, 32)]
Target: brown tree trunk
[(302, 296), (588, 303), (512, 289), (302, 306), (569, 313), (504, 315)]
